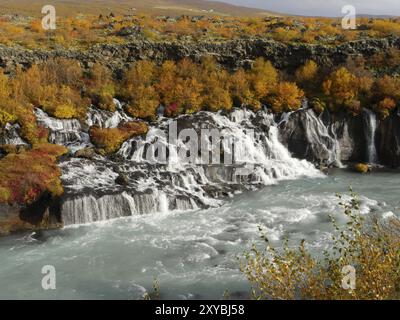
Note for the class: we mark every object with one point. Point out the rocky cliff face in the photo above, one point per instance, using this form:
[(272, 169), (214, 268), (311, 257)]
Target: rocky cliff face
[(388, 141), (232, 54), (333, 139)]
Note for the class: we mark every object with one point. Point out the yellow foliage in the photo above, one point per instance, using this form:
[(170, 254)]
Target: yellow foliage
[(370, 246), (5, 89), (263, 78), (6, 117), (285, 35), (386, 27), (111, 139), (307, 73), (65, 111), (101, 87), (341, 86), (288, 97)]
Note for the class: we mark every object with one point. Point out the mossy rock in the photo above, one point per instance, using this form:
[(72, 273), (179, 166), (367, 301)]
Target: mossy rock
[(362, 168)]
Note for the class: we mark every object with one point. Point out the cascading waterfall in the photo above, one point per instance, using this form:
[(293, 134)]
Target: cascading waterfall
[(72, 133), (323, 136), (107, 119), (370, 126), (10, 135), (152, 185), (69, 133)]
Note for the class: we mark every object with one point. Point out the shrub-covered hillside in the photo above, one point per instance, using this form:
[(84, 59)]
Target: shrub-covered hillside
[(86, 30)]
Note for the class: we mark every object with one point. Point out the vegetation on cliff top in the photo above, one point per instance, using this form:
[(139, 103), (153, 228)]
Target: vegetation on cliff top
[(87, 30)]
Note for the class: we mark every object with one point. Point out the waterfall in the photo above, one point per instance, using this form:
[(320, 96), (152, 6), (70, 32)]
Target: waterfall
[(323, 137), (10, 135), (66, 132), (107, 119), (370, 126), (158, 180)]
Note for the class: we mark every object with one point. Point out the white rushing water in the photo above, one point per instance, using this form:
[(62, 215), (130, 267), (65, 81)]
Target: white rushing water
[(192, 253), (132, 217), (158, 180), (370, 127), (66, 132), (320, 134), (73, 133), (107, 119), (11, 136)]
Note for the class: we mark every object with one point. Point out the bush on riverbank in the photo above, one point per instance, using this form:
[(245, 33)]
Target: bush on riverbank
[(372, 247)]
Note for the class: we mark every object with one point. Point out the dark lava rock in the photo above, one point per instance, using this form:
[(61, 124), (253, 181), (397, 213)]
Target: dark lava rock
[(388, 140), (86, 153), (122, 180), (231, 54)]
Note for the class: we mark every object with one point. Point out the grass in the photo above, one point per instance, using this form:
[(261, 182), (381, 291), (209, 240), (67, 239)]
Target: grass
[(169, 7)]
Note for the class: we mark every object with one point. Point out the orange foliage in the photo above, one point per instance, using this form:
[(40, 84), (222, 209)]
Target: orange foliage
[(307, 73), (385, 106), (24, 177), (340, 87), (288, 97), (111, 139)]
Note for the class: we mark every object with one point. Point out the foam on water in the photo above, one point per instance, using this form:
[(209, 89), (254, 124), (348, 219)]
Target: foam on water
[(192, 253), (160, 181)]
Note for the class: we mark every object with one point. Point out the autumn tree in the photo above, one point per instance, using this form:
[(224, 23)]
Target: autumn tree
[(166, 85), (340, 87), (241, 93), (138, 87), (307, 76), (387, 87), (216, 95), (288, 97), (263, 79), (307, 73), (385, 106), (101, 87)]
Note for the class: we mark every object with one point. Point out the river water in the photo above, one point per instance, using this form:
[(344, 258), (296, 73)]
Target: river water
[(193, 254)]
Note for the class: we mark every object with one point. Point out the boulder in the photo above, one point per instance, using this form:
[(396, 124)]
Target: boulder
[(86, 153)]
